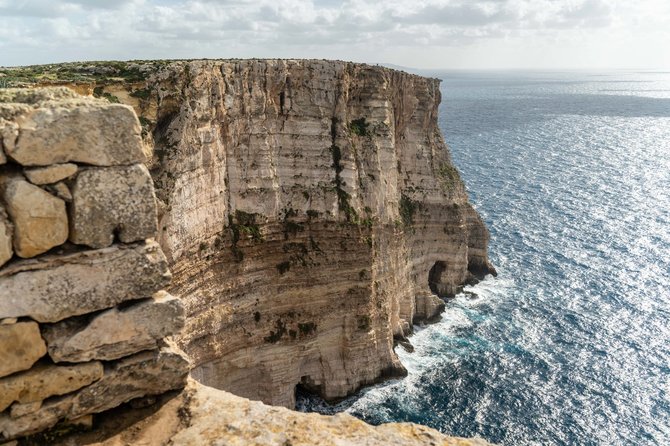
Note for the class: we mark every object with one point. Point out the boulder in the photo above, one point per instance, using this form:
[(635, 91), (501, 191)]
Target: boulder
[(116, 333), (20, 347), (6, 232), (45, 380), (50, 174), (81, 130), (428, 308), (112, 200), (55, 287), (40, 219), (148, 373)]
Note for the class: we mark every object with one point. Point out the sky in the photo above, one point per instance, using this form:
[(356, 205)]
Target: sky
[(424, 34)]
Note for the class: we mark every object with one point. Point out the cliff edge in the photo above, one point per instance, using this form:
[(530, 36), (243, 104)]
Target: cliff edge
[(310, 214)]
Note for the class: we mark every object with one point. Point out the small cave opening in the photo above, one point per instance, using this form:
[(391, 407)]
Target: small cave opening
[(435, 279), (308, 395)]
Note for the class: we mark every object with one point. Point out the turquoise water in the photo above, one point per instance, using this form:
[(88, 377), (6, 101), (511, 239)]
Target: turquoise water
[(570, 345)]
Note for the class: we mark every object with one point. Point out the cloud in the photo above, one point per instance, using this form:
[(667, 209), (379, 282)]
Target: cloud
[(241, 28)]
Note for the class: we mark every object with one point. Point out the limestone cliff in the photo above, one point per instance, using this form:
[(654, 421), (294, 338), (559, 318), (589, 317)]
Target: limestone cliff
[(311, 213), (201, 415)]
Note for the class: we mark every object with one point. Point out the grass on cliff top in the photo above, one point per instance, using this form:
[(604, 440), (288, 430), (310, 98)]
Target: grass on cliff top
[(79, 72)]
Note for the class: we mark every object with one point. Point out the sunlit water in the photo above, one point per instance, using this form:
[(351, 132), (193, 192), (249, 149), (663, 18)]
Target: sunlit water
[(570, 344)]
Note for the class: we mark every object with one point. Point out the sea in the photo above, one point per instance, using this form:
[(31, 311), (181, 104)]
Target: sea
[(570, 344)]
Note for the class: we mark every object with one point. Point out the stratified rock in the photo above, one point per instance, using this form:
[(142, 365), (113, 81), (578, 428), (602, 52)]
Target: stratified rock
[(20, 346), (40, 219), (83, 130), (6, 232), (52, 288), (43, 381), (50, 174), (113, 200), (148, 373), (116, 333)]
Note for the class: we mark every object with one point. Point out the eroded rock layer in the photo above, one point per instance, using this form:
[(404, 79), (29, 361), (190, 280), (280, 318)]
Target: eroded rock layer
[(310, 213)]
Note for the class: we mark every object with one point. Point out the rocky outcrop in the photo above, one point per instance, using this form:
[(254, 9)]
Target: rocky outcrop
[(195, 417), (64, 308), (310, 214)]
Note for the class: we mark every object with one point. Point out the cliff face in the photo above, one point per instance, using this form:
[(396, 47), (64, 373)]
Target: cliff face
[(310, 214)]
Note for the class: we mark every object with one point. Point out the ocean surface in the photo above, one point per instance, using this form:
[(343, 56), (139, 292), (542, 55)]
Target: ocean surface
[(570, 344)]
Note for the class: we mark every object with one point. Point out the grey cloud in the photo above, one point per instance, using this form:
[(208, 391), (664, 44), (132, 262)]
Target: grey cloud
[(459, 14)]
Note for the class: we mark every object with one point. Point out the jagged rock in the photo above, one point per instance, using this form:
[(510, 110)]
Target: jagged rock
[(40, 220), (204, 416), (43, 381), (148, 373), (112, 200), (20, 346), (115, 333), (50, 174), (65, 129), (428, 307), (53, 287), (6, 233), (244, 422)]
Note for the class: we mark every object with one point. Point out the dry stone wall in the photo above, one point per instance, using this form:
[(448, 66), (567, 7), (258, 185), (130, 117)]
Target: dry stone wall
[(84, 319)]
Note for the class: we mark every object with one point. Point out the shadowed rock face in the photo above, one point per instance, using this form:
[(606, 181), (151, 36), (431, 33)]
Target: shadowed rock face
[(305, 203)]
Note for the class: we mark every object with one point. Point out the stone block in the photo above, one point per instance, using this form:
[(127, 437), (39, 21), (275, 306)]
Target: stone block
[(44, 381), (39, 218), (116, 333), (20, 347), (55, 287), (147, 373), (112, 200), (50, 174), (80, 130)]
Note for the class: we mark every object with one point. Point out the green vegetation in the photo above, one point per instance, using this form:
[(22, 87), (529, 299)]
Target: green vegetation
[(408, 208), (78, 72), (449, 175), (144, 93), (359, 127), (243, 223)]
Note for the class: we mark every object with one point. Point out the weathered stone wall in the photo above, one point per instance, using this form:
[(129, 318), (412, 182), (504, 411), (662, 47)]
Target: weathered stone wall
[(83, 314)]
